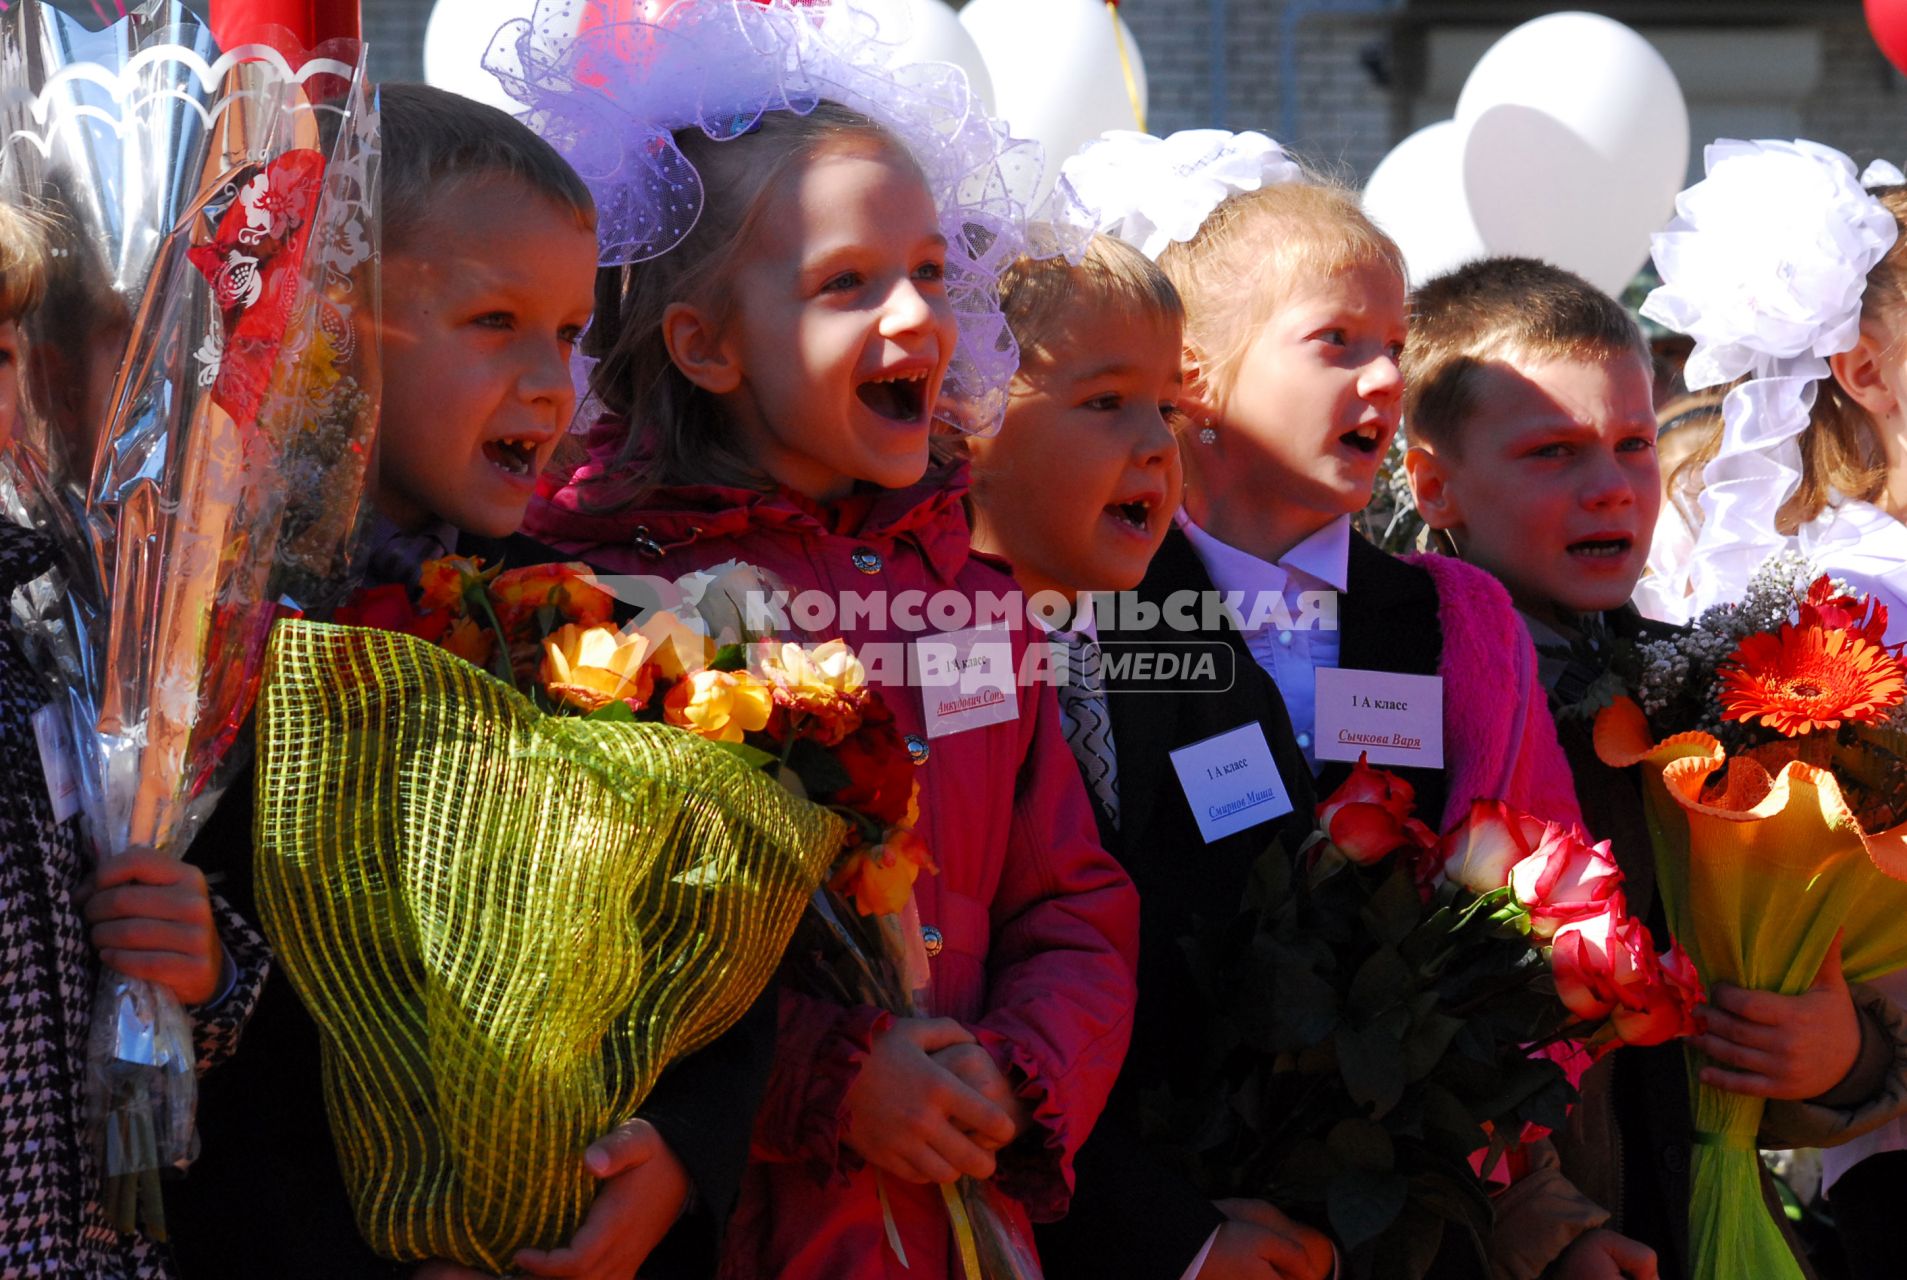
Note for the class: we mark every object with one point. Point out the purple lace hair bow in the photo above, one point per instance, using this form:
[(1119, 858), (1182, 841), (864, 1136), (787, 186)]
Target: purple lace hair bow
[(610, 99)]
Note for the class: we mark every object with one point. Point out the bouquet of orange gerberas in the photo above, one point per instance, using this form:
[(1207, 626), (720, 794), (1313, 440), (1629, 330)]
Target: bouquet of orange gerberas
[(516, 859), (1773, 739)]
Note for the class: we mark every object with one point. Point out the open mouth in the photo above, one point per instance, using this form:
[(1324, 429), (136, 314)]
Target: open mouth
[(1367, 439), (1136, 514), (1601, 548), (514, 456), (900, 398)]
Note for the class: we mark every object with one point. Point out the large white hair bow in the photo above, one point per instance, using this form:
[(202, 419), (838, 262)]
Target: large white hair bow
[(1152, 191), (1764, 267)]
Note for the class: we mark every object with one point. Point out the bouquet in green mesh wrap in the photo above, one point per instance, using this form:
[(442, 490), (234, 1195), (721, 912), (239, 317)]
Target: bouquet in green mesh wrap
[(505, 921)]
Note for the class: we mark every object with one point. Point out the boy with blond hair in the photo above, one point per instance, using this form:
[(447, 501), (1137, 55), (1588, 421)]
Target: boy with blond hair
[(1095, 402), (1528, 412)]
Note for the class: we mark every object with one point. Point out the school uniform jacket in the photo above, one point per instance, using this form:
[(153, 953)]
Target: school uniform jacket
[(1133, 1214)]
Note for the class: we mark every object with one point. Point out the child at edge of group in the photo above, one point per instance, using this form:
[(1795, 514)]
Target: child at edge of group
[(147, 914), (1096, 399), (489, 262), (1532, 434)]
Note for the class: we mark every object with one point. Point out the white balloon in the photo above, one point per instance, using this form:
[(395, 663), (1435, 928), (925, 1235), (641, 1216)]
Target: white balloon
[(1416, 196), (1576, 141), (929, 31), (1056, 71), (456, 38)]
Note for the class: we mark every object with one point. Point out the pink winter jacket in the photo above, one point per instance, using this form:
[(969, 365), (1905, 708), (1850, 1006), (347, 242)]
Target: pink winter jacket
[(1038, 925)]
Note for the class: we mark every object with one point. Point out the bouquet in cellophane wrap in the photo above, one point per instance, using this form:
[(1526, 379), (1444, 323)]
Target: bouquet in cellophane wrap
[(1772, 736), (517, 860), (201, 387)]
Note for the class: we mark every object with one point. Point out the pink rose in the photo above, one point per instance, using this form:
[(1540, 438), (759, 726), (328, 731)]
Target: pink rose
[(1368, 817), (1664, 1009), (1566, 879), (1606, 966), (1492, 838), (1590, 960)]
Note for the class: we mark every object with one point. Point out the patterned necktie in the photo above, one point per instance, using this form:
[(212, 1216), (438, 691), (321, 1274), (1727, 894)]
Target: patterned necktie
[(1083, 716)]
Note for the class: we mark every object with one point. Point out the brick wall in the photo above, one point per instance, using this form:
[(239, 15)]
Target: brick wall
[(394, 29), (1860, 106), (1343, 118)]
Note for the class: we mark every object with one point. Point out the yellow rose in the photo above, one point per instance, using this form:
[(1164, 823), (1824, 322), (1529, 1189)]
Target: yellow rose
[(674, 646), (721, 705), (823, 687), (879, 879), (591, 667)]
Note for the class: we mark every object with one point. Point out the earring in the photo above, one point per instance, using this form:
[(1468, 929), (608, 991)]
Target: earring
[(1207, 433)]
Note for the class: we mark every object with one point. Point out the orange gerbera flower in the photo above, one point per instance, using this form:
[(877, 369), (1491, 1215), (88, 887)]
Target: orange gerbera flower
[(1806, 679)]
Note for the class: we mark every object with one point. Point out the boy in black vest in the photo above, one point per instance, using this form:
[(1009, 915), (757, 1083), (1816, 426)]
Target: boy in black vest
[(1097, 388)]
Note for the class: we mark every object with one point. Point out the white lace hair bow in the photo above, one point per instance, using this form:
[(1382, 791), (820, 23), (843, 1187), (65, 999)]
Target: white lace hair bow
[(1152, 191), (1763, 266)]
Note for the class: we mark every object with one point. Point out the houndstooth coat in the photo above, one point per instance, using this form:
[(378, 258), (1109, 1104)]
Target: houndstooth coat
[(51, 1224)]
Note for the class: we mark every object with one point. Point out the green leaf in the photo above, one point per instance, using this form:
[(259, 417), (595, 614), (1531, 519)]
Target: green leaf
[(1303, 1007), (1362, 1144), (614, 713), (730, 657), (1395, 909), (1381, 981), (1270, 881), (1427, 1042), (1373, 1067), (1362, 1204), (817, 767), (755, 757), (1408, 1248)]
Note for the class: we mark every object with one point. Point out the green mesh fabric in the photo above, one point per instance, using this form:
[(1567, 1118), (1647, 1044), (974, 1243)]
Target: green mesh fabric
[(504, 923)]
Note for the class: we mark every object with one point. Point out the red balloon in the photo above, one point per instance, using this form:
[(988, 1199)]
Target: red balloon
[(1887, 19)]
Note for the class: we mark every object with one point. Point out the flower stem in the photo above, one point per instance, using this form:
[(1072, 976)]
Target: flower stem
[(505, 671)]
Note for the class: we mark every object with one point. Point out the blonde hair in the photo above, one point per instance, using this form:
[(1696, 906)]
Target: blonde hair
[(23, 263), (1038, 294), (678, 433), (1252, 250), (1841, 449), (1485, 311)]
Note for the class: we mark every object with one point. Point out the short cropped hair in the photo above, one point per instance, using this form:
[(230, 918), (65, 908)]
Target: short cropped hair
[(1495, 309), (1037, 294), (22, 263), (434, 139), (1253, 249)]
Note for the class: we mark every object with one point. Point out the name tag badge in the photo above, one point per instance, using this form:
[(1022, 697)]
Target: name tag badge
[(966, 679), (1231, 781), (1395, 719), (56, 761)]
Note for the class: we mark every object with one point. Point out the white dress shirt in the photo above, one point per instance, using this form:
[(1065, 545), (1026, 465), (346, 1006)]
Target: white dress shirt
[(1867, 548), (1287, 610)]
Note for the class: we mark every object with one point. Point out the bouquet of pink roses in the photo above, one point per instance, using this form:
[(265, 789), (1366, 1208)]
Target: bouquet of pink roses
[(1388, 1012)]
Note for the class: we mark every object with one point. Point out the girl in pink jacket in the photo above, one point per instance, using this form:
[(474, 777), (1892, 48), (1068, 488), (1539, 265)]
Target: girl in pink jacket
[(812, 242)]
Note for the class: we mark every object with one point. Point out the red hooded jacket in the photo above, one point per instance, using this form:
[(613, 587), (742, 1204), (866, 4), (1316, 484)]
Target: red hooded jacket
[(1038, 925)]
